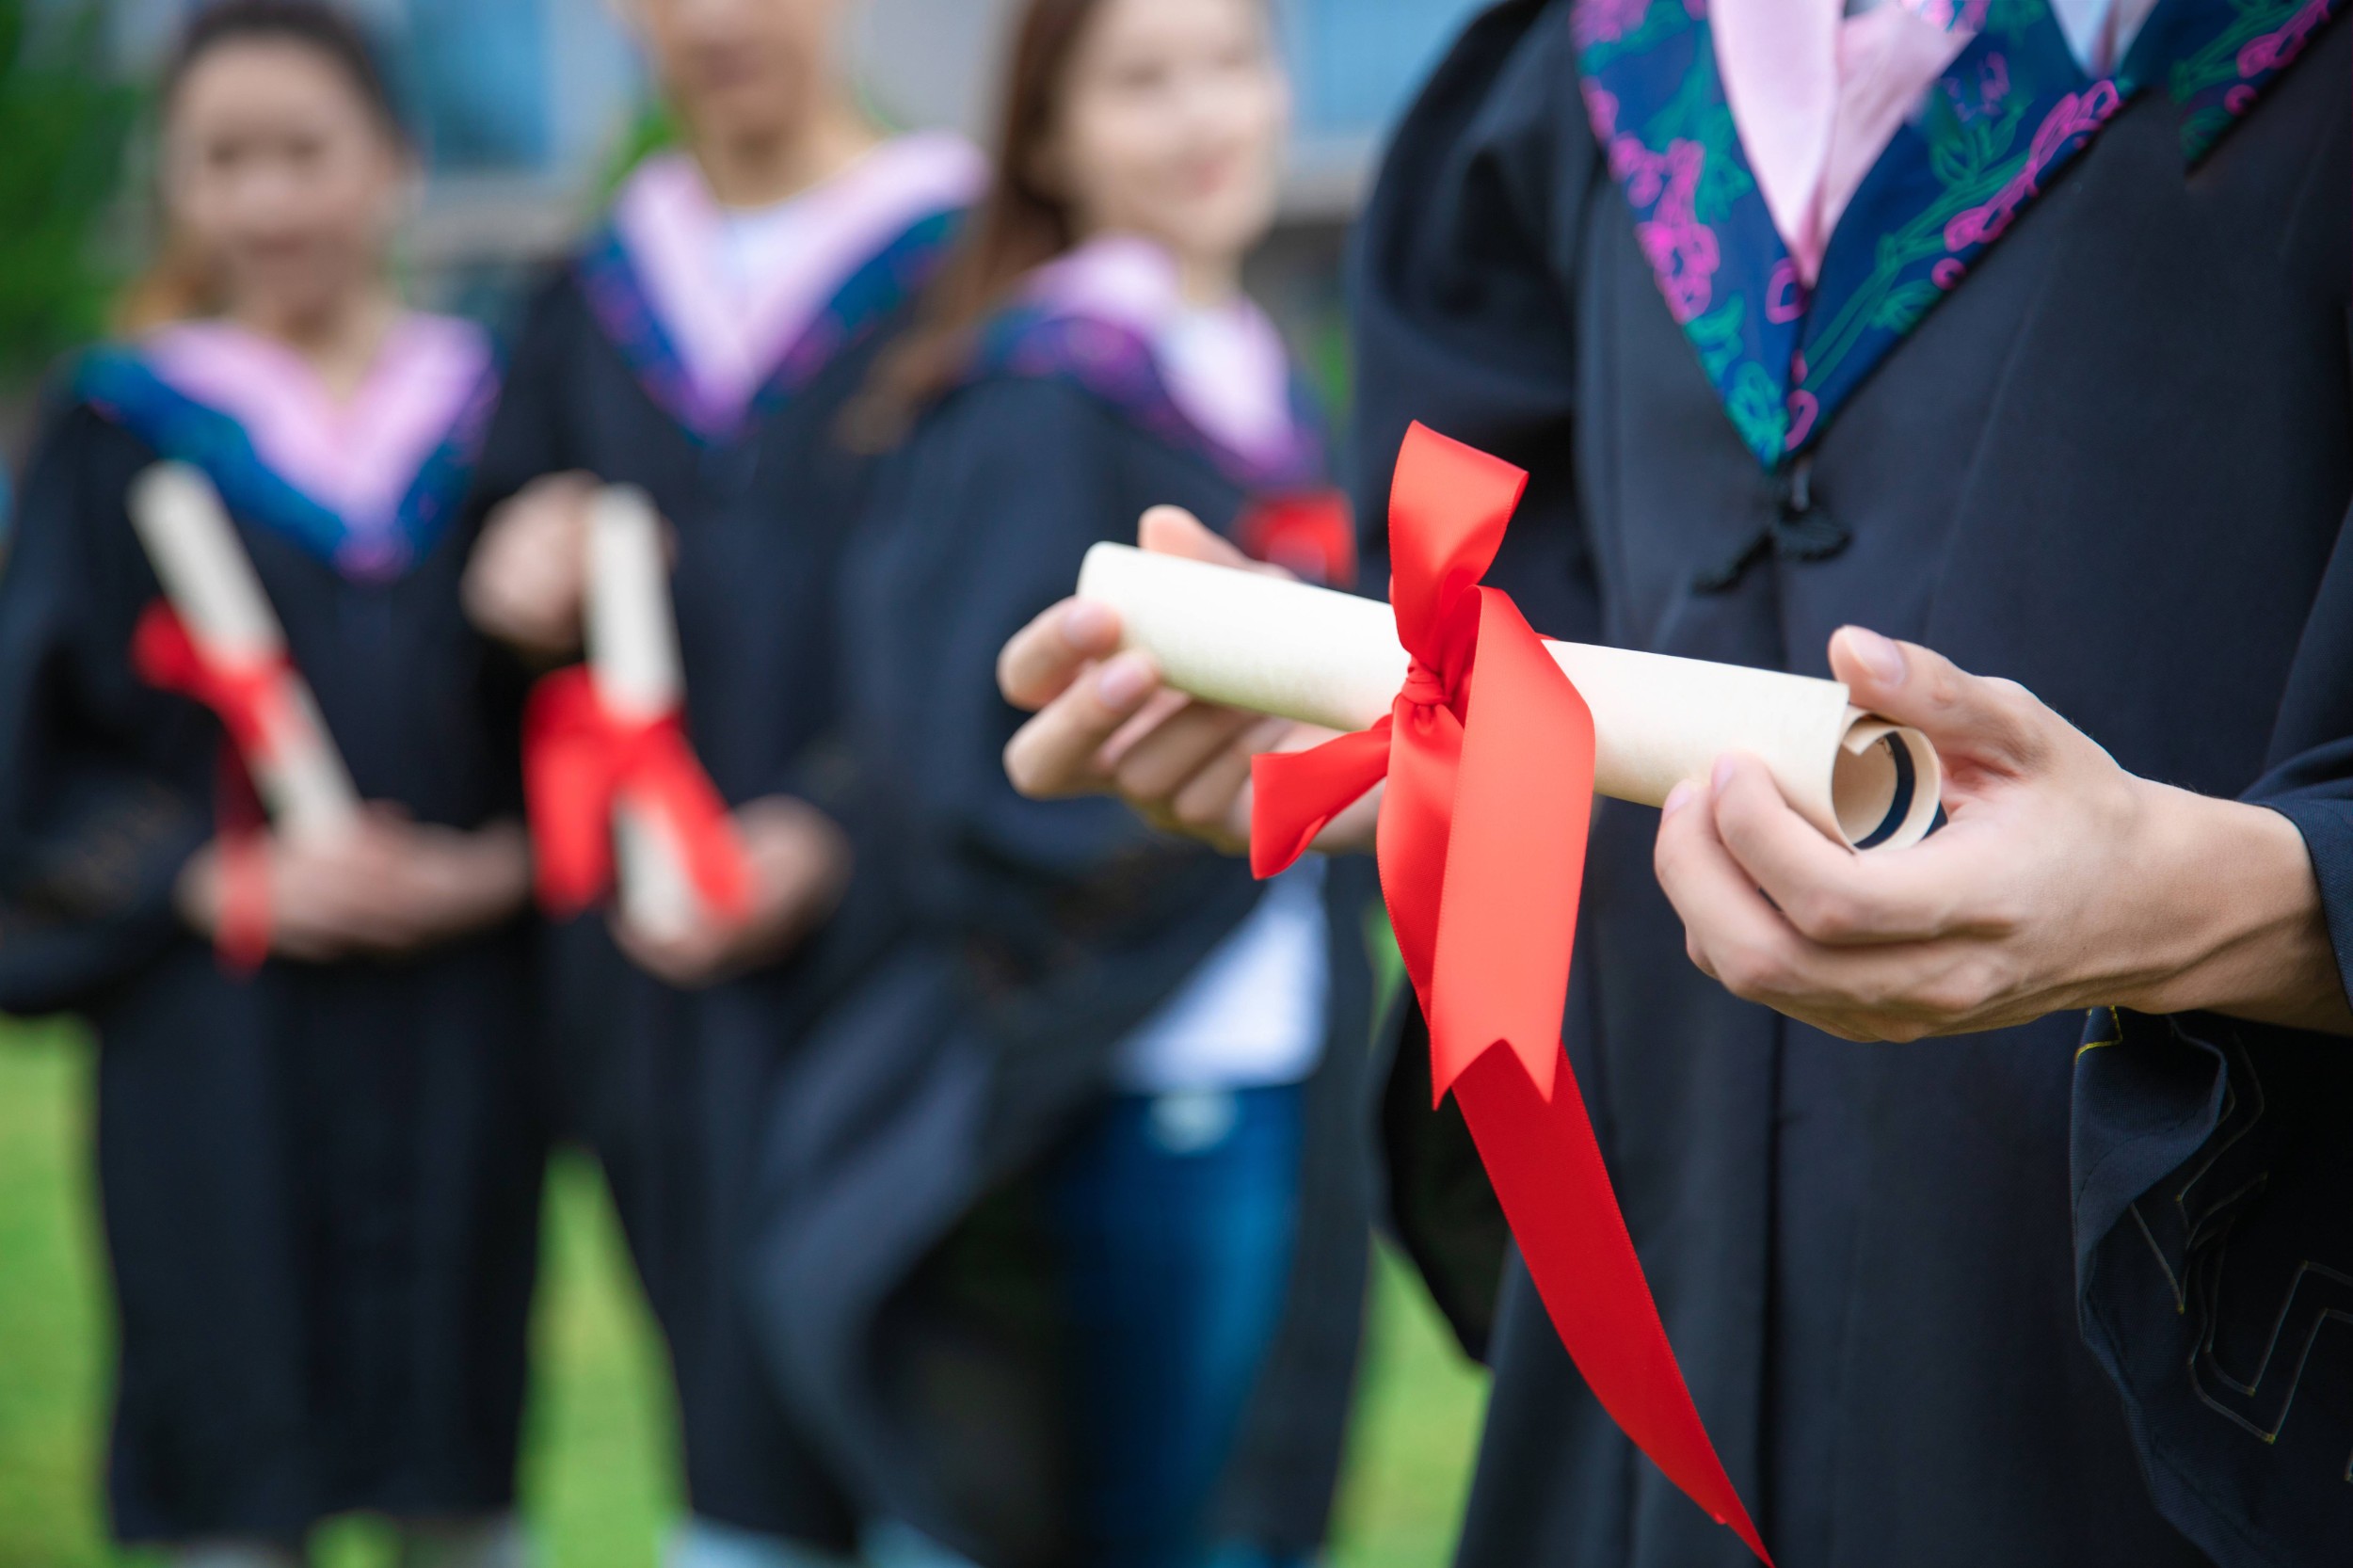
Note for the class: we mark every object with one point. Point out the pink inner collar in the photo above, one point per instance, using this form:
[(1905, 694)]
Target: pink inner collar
[(1226, 367), (357, 456), (735, 291), (1817, 93)]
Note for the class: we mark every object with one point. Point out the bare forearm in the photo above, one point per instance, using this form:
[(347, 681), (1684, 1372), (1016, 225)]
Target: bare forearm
[(2236, 919)]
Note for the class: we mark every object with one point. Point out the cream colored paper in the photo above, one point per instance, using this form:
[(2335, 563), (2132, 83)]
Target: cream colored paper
[(634, 659), (210, 583), (1273, 646)]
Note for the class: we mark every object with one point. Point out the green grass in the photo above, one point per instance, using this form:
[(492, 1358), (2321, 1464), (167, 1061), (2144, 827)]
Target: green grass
[(600, 1467)]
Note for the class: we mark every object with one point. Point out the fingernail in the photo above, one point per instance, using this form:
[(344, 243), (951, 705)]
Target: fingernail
[(1883, 658), (1123, 680), (1723, 776), (1085, 623), (1678, 798)]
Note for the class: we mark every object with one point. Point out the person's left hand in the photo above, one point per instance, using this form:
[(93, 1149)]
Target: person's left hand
[(1103, 724), (799, 860), (2060, 881)]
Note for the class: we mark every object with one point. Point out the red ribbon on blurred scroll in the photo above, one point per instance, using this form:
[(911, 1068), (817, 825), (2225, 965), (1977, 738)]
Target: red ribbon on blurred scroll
[(249, 698), (1489, 757), (1310, 533), (579, 757)]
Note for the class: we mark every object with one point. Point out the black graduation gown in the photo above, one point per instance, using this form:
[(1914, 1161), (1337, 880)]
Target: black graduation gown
[(2112, 463), (907, 1305), (670, 1087), (320, 1185)]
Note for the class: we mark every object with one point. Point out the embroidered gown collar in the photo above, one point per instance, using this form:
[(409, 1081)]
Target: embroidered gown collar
[(366, 484), (2008, 111), (1110, 318), (722, 315)]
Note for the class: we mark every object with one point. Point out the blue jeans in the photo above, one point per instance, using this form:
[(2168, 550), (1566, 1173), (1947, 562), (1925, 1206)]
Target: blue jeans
[(1174, 1217)]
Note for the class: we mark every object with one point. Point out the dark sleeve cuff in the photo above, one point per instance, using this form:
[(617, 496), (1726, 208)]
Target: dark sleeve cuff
[(2213, 1244), (2328, 829), (98, 906)]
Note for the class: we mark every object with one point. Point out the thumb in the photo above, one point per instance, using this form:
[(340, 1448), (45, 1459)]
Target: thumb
[(1173, 531), (1994, 722)]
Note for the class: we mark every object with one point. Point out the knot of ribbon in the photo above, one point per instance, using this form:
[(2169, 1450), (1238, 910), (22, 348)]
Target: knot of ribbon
[(1488, 756), (580, 758), (1425, 688)]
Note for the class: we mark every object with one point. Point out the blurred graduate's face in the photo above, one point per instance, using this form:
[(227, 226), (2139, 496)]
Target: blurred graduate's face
[(1172, 125), (741, 70), (282, 176)]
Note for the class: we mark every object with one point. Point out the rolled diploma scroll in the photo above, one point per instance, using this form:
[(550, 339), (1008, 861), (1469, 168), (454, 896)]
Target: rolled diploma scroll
[(1272, 646), (210, 583), (633, 660)]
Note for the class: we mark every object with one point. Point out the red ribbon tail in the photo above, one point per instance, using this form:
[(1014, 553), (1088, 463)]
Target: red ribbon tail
[(246, 921), (1515, 856), (242, 930), (1483, 855), (162, 653), (569, 772), (1548, 1175), (1294, 795), (699, 824)]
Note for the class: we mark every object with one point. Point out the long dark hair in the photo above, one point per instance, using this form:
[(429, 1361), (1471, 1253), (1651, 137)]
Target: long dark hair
[(179, 285), (1018, 227)]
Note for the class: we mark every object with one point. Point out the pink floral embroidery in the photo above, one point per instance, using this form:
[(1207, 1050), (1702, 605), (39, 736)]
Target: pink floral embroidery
[(2274, 50), (1992, 87), (2239, 99), (1946, 273), (1969, 15), (1681, 249), (1994, 80), (1785, 296), (1804, 407), (1601, 107), (1606, 21), (2073, 116)]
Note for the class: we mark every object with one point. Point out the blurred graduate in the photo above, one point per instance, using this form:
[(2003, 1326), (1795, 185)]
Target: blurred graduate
[(318, 1151), (1066, 1235), (2016, 331), (702, 345)]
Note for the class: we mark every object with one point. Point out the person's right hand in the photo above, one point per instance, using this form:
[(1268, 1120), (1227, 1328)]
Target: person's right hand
[(800, 862), (526, 581), (1105, 724)]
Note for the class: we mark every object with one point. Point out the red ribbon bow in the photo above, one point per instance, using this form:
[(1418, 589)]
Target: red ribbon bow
[(1489, 757), (579, 757), (249, 696)]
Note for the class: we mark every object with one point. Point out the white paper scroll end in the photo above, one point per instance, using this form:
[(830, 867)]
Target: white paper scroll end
[(1251, 639), (1887, 784), (1263, 643), (634, 659), (211, 586)]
